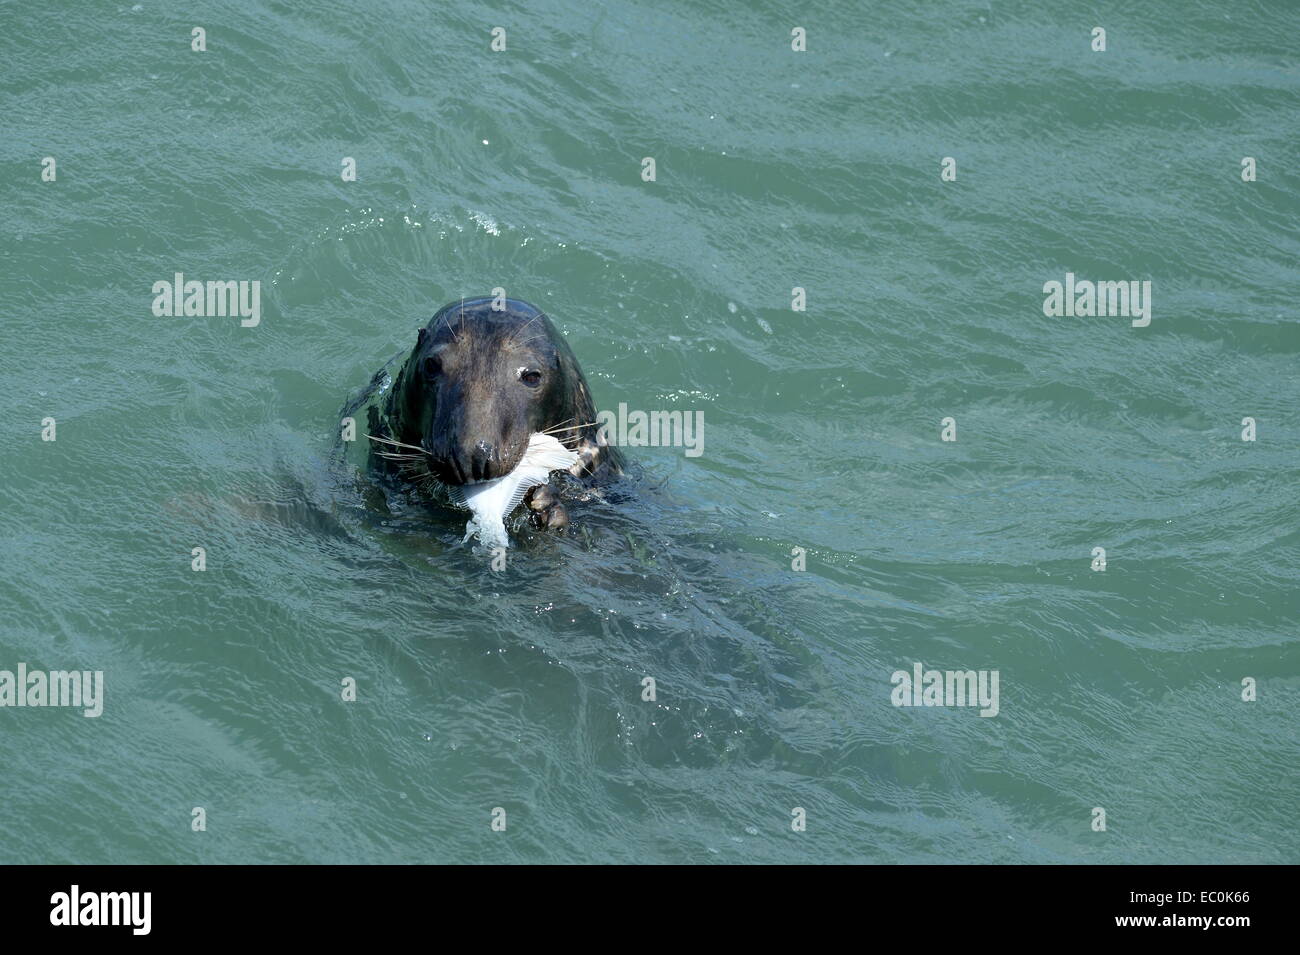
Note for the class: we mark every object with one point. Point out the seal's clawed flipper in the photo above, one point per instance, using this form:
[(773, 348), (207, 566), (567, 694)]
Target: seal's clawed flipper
[(546, 511)]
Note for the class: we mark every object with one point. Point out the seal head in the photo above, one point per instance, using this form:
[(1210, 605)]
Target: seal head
[(480, 382)]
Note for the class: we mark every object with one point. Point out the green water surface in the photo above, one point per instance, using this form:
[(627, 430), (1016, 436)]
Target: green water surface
[(775, 169)]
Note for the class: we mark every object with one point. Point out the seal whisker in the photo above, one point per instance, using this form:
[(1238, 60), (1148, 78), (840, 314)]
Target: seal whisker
[(399, 457), (557, 427), (446, 320), (398, 444), (576, 427), (516, 340), (421, 475)]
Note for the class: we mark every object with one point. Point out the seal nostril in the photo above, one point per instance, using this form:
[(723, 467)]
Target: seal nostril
[(481, 460)]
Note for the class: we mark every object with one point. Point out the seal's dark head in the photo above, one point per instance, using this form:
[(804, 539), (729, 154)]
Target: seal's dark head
[(480, 382)]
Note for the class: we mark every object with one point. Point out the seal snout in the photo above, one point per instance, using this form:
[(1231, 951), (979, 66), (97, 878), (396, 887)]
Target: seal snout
[(481, 461)]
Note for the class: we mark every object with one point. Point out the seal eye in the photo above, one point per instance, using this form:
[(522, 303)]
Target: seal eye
[(531, 378), (432, 366)]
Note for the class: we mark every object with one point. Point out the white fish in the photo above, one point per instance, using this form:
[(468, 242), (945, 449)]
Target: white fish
[(492, 500)]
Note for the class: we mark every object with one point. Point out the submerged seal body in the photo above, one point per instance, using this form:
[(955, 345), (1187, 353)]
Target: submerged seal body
[(478, 384)]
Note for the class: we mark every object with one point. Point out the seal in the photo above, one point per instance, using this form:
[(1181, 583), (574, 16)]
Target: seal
[(484, 376)]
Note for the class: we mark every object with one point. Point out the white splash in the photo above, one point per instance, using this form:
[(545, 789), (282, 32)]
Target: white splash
[(484, 221), (492, 500)]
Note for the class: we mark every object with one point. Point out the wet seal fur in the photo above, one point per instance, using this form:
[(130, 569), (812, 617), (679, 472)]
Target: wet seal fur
[(477, 385)]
